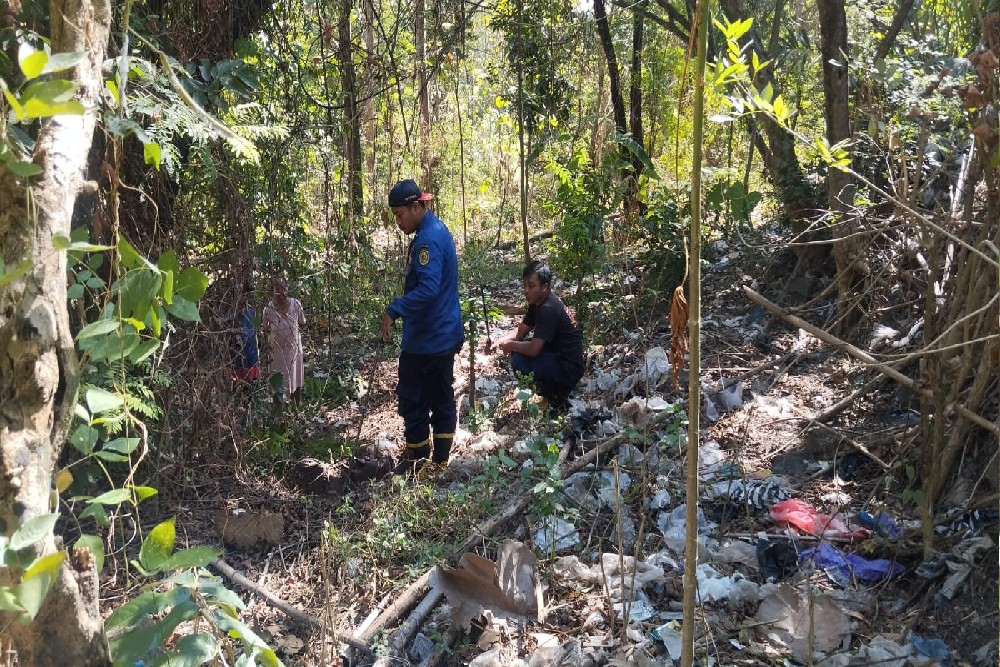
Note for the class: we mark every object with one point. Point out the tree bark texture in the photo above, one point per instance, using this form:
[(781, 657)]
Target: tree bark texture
[(614, 76), (635, 87), (38, 363), (848, 246), (354, 120)]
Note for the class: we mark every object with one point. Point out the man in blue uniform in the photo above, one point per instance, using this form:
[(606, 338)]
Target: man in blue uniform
[(432, 326)]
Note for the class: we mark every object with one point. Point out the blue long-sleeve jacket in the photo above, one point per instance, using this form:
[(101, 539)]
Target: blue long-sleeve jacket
[(432, 316)]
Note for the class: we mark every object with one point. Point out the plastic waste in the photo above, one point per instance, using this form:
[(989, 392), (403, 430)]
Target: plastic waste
[(760, 494), (805, 517), (881, 523), (969, 524), (731, 397), (848, 567), (556, 534), (932, 647), (776, 559)]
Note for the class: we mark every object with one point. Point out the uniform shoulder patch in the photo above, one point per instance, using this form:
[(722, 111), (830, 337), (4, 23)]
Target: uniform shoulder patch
[(423, 255)]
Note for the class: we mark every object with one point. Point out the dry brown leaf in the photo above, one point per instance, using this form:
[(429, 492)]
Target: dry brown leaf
[(678, 332)]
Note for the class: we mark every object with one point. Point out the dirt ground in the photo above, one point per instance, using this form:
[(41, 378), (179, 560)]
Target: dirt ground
[(769, 434)]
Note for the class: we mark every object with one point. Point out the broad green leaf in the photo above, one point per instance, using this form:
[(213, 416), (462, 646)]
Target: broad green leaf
[(112, 457), (121, 445), (31, 593), (98, 328), (158, 546), (97, 512), (130, 258), (167, 288), (100, 400), (59, 62), (143, 492), (144, 605), (83, 438), (640, 153), (96, 546), (144, 350), (190, 284), (192, 650), (22, 168), (112, 497), (50, 92), (152, 154), (75, 291), (15, 104), (32, 531), (168, 262), (132, 646), (217, 592), (193, 557), (32, 62), (47, 564), (183, 309), (84, 246), (64, 479), (9, 601), (36, 108)]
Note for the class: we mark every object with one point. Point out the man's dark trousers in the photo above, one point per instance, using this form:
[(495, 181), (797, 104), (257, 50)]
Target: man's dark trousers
[(427, 400)]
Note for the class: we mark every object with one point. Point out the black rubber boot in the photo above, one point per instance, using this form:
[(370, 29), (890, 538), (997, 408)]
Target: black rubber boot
[(442, 447)]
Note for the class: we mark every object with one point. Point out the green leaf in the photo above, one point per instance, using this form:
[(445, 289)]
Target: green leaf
[(74, 291), (639, 152), (193, 557), (85, 246), (183, 309), (9, 601), (98, 328), (83, 438), (7, 277), (146, 604), (130, 258), (112, 497), (32, 62), (59, 62), (97, 512), (31, 593), (112, 457), (143, 492), (100, 400), (143, 350), (167, 289), (22, 168), (135, 645), (168, 262), (121, 445), (152, 154), (96, 546), (50, 92), (32, 531), (192, 650), (191, 284), (36, 108), (47, 564), (158, 546)]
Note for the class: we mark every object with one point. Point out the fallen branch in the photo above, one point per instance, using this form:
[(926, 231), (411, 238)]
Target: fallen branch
[(852, 442), (857, 353), (844, 403), (292, 612)]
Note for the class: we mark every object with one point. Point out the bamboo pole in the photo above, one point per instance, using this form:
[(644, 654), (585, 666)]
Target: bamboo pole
[(702, 21)]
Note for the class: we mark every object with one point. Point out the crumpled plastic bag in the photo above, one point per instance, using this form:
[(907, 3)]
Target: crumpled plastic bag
[(805, 517), (850, 566)]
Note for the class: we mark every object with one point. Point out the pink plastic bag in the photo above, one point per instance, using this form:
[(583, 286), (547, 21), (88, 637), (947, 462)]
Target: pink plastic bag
[(805, 517)]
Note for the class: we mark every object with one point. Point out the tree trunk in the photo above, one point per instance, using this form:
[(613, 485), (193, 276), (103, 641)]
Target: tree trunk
[(794, 191), (38, 363), (848, 248), (353, 118), (423, 97), (635, 104), (614, 77)]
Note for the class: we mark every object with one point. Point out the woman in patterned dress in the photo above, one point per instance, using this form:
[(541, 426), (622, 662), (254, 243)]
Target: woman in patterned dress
[(282, 320)]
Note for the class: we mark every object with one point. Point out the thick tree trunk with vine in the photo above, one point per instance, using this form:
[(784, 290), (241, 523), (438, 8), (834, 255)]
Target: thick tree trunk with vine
[(38, 364), (848, 246)]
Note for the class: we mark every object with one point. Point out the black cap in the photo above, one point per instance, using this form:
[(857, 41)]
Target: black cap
[(407, 192)]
